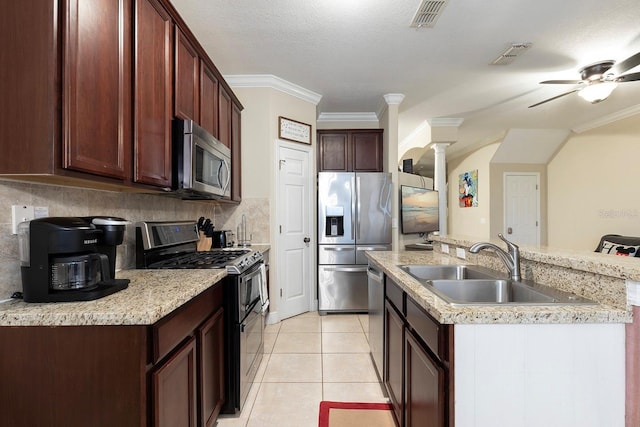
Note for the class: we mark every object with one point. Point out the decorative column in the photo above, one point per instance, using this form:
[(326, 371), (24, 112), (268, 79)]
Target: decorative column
[(440, 182), (390, 160)]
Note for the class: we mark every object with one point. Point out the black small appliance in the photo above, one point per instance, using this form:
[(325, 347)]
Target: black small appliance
[(69, 258)]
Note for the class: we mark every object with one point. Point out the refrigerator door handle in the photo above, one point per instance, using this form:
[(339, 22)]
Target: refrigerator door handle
[(358, 210), (371, 248), (337, 249), (346, 269), (353, 208)]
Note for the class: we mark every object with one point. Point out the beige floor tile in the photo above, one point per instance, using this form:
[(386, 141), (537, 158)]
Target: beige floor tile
[(286, 405), (348, 368), (354, 392), (263, 367), (344, 342), (269, 341), (364, 321), (297, 343), (241, 419), (274, 328), (295, 368), (301, 324), (309, 314), (341, 323)]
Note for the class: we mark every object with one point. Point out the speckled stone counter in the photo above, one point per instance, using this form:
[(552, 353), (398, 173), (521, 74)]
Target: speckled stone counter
[(151, 295), (608, 311)]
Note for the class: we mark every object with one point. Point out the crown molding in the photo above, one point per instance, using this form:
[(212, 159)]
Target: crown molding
[(348, 117), (445, 121), (393, 98), (618, 115), (273, 82)]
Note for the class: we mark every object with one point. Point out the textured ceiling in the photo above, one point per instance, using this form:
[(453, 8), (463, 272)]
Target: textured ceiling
[(352, 52)]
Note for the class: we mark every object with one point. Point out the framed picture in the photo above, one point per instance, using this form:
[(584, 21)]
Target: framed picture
[(468, 193), (294, 131)]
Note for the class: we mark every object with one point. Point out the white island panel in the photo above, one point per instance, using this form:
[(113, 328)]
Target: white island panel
[(531, 375)]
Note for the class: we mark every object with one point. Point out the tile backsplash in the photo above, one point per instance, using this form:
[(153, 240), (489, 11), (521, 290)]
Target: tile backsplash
[(70, 201)]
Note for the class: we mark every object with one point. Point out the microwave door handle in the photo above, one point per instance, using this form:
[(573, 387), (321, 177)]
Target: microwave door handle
[(226, 184)]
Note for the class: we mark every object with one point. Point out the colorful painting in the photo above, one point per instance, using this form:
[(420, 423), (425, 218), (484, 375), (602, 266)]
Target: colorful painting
[(468, 194)]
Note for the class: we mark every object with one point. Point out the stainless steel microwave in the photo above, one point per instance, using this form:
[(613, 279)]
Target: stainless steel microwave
[(201, 163)]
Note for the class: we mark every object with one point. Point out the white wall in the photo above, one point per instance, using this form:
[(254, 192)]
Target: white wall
[(592, 186)]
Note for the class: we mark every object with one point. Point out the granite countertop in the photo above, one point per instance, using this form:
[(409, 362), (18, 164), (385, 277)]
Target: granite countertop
[(485, 314), (151, 295)]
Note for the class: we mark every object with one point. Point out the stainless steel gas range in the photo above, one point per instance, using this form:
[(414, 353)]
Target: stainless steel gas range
[(172, 245)]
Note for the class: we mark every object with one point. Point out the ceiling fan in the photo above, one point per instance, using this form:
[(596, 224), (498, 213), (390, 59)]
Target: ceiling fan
[(598, 80)]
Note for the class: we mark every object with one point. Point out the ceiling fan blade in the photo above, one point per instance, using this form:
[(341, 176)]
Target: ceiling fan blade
[(627, 64), (561, 82), (631, 77), (551, 99)]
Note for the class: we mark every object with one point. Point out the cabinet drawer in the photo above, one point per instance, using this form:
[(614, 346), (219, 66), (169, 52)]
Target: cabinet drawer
[(395, 294), (425, 327), (169, 331)]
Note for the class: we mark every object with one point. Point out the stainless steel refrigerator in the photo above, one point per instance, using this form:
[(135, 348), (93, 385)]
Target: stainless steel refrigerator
[(354, 216)]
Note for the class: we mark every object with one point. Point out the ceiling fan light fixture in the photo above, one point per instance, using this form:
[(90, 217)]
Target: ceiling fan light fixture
[(597, 92)]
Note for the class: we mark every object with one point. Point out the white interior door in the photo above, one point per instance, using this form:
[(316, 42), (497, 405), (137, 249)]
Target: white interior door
[(295, 255), (522, 207)]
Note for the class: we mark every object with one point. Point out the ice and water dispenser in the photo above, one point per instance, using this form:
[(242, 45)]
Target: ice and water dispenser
[(334, 221)]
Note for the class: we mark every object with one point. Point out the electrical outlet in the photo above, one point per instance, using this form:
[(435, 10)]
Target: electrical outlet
[(444, 248), (21, 213), (460, 253)]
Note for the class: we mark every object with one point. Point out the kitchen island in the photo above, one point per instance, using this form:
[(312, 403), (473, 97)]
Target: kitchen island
[(531, 365), (151, 354)]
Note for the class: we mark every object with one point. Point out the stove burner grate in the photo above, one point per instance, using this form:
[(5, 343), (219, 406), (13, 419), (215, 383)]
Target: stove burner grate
[(209, 259)]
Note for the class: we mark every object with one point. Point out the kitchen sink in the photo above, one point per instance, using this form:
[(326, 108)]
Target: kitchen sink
[(449, 272), (462, 285)]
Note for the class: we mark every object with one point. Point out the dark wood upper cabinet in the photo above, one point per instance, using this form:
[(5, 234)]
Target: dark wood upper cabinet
[(224, 117), (358, 150), (187, 77), (153, 93), (209, 94), (97, 87)]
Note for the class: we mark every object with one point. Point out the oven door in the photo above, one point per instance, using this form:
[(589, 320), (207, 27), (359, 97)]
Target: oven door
[(249, 290), (251, 349)]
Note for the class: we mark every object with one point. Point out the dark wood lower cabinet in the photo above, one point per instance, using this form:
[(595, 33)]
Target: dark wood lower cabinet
[(424, 386), (418, 363), (174, 389), (394, 360), (170, 373), (211, 364)]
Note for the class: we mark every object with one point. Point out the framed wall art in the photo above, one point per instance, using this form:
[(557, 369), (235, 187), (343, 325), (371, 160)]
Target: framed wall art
[(294, 131), (468, 189)]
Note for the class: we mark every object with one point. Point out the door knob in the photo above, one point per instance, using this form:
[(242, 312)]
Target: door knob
[(306, 240)]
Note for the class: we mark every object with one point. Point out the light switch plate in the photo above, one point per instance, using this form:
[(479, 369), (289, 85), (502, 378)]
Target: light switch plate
[(21, 213), (460, 253), (444, 248)]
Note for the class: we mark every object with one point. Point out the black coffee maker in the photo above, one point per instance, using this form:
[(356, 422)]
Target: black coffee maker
[(69, 258)]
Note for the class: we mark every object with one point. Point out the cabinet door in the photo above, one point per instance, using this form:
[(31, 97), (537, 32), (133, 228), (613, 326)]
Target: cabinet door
[(424, 387), (211, 363), (174, 389), (394, 360), (333, 152), (208, 99), (97, 87), (366, 151), (236, 155), (186, 78), (153, 94), (224, 117)]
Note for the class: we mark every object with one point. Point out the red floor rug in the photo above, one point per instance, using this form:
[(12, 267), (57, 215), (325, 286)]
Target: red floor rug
[(351, 414)]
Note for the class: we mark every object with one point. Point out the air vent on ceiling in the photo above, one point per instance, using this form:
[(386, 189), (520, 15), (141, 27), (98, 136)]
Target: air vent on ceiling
[(428, 13), (512, 52)]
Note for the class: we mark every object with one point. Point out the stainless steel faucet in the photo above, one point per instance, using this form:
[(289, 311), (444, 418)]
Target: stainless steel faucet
[(511, 259)]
